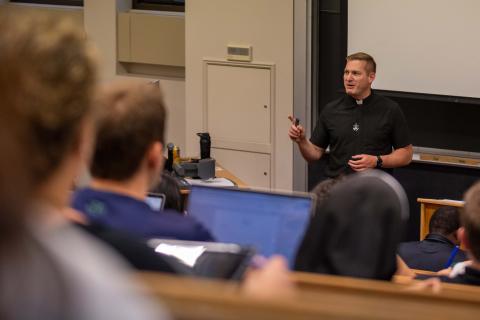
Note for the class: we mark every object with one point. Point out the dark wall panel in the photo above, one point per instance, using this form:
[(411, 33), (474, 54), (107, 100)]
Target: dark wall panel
[(432, 181), (419, 180)]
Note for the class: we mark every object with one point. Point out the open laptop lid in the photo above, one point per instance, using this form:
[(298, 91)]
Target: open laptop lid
[(156, 201), (271, 222)]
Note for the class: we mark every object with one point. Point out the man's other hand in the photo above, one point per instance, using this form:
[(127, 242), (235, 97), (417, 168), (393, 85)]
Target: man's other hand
[(361, 162)]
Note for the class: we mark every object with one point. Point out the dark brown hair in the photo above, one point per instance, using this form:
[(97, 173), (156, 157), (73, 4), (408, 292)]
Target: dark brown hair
[(132, 117), (362, 56), (445, 220)]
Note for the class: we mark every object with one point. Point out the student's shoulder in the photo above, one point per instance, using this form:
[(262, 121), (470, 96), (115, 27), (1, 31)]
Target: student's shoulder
[(81, 193), (86, 194), (182, 227), (100, 274), (407, 248), (409, 244)]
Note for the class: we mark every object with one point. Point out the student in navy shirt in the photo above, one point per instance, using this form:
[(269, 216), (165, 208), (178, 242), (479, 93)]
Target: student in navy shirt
[(439, 249), (127, 161), (123, 212)]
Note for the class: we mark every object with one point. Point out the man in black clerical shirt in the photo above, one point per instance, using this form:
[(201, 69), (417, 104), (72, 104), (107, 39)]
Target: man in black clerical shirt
[(363, 129)]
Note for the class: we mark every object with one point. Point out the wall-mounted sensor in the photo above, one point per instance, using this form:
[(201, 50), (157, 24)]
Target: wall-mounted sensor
[(239, 53)]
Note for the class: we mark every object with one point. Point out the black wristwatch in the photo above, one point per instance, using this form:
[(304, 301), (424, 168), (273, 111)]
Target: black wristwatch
[(379, 162)]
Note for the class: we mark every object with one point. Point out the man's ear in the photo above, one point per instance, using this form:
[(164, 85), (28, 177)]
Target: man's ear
[(155, 155), (462, 236), (454, 237), (371, 77)]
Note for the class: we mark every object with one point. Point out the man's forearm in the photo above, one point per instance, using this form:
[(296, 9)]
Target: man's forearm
[(398, 158), (309, 151)]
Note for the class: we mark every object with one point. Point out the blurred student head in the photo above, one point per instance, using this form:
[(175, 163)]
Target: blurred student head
[(470, 219), (52, 270), (130, 134), (46, 84), (15, 185), (47, 78), (356, 231), (323, 189)]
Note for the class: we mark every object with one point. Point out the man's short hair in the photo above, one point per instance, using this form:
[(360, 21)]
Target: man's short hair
[(132, 118), (47, 79), (470, 218), (362, 56), (445, 220)]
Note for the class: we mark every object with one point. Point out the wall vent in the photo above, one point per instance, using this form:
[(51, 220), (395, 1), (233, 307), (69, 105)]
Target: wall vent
[(239, 53)]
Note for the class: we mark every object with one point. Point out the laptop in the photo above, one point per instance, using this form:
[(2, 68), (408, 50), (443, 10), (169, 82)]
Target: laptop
[(271, 222), (205, 259), (156, 201)]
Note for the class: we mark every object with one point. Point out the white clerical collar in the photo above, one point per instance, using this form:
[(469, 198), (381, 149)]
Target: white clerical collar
[(359, 102)]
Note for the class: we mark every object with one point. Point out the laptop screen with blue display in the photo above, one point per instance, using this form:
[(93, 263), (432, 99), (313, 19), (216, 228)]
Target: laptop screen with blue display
[(273, 223)]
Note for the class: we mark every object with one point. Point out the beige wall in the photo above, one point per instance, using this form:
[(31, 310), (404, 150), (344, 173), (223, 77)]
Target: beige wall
[(75, 14), (266, 25), (98, 17), (100, 24)]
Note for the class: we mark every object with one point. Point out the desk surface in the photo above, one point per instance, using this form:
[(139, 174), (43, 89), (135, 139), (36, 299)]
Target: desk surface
[(224, 173), (221, 172), (316, 297)]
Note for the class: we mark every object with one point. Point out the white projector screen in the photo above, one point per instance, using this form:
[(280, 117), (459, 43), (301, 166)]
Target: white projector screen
[(421, 46)]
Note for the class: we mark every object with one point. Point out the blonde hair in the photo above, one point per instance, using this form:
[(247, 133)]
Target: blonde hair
[(47, 81)]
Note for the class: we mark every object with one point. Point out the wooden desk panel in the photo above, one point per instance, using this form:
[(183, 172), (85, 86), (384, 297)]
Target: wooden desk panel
[(317, 297)]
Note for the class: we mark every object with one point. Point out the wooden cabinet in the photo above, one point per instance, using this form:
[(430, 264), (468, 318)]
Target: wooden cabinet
[(239, 110), (251, 167)]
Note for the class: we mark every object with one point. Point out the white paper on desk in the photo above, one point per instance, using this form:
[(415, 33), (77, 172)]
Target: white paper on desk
[(187, 255), (214, 182)]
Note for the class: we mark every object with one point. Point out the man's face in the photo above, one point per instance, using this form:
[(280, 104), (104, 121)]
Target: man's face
[(357, 80)]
